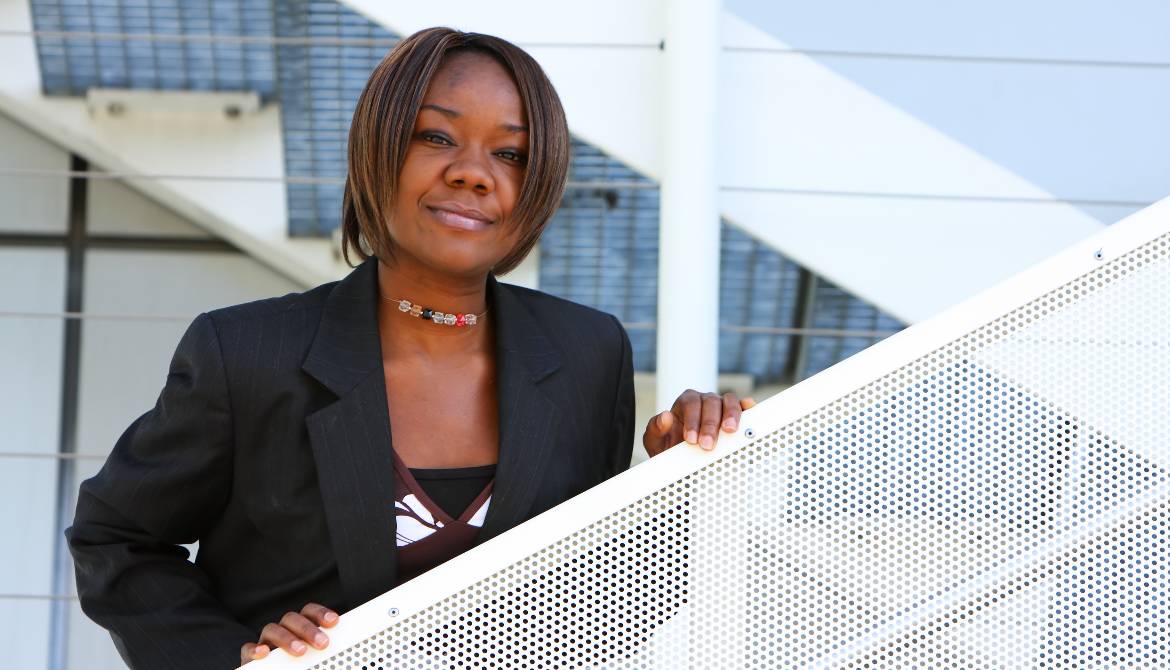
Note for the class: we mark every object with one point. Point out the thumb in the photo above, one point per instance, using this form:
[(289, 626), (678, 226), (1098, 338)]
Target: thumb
[(252, 651), (664, 422), (656, 430)]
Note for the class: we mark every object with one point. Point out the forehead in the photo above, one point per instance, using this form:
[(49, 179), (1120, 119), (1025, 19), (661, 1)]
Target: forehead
[(475, 78)]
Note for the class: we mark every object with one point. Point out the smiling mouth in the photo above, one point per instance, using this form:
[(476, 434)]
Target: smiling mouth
[(457, 220)]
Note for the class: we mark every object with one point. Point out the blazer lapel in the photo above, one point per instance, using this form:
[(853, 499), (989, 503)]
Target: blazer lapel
[(528, 417), (351, 437)]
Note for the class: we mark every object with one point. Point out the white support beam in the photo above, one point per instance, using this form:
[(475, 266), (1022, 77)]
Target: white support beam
[(688, 229), (860, 191)]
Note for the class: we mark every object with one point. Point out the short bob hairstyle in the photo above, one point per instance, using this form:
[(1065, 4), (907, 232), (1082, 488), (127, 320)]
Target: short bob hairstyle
[(383, 124)]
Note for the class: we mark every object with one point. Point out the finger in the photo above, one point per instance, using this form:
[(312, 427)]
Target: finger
[(658, 430), (709, 420), (731, 412), (320, 615), (305, 629), (747, 403), (251, 651), (676, 433), (689, 407), (279, 637), (659, 425)]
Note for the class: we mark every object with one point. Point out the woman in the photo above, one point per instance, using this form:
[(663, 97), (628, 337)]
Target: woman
[(323, 447)]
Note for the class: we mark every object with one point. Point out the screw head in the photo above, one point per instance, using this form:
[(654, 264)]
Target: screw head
[(1099, 254), (393, 611), (749, 432)]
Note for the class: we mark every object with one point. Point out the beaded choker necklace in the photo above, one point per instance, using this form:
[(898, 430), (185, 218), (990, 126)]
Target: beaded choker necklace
[(436, 317)]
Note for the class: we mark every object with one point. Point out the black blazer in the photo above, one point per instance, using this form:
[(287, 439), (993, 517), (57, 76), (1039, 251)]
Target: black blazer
[(270, 446)]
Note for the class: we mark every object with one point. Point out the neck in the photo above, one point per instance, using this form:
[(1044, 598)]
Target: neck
[(406, 335)]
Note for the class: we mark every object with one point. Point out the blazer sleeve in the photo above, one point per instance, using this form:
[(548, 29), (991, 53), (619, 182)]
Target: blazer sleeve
[(164, 484), (622, 440)]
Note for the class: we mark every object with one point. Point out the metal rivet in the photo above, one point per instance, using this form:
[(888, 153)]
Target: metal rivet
[(749, 432), (393, 611)]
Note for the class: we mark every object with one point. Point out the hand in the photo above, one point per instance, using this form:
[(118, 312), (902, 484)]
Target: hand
[(294, 631), (695, 417)]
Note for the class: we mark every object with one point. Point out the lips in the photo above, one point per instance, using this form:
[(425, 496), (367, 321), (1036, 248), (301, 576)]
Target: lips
[(459, 217)]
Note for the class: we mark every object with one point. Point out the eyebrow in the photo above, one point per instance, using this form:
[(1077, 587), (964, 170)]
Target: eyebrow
[(452, 114)]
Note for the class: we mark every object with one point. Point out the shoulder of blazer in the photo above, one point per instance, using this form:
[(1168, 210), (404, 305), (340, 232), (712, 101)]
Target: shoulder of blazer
[(583, 336), (558, 314), (292, 320), (312, 299)]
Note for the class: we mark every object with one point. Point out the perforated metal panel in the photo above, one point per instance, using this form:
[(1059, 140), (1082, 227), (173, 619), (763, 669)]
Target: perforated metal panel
[(987, 490)]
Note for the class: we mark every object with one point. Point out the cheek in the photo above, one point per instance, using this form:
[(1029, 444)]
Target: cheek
[(415, 175), (414, 180)]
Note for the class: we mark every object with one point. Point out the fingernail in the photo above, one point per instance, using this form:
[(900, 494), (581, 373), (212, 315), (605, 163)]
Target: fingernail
[(320, 640), (692, 436), (298, 647), (729, 424), (330, 616), (706, 442)]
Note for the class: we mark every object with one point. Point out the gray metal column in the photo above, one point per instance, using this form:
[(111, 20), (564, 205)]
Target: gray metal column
[(71, 372)]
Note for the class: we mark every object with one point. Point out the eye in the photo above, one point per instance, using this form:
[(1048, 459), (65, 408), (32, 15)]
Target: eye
[(435, 138), (512, 156)]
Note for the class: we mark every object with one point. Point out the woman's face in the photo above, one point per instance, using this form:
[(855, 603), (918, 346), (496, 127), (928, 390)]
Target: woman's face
[(463, 170)]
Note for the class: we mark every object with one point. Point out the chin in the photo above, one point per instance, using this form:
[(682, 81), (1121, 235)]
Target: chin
[(459, 265), (456, 258)]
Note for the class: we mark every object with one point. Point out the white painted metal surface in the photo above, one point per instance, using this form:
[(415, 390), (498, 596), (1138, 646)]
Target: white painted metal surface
[(866, 190), (30, 397), (688, 227), (986, 489), (216, 105), (31, 205)]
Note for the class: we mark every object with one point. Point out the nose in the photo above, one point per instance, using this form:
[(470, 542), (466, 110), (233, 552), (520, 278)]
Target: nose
[(470, 170)]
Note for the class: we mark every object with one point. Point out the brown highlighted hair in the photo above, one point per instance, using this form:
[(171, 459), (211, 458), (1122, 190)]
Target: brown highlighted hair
[(383, 124)]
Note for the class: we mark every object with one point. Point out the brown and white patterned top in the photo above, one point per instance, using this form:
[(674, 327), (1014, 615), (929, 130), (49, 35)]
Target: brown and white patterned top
[(426, 534)]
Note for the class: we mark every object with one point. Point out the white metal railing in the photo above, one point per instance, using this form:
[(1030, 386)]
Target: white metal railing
[(990, 488)]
